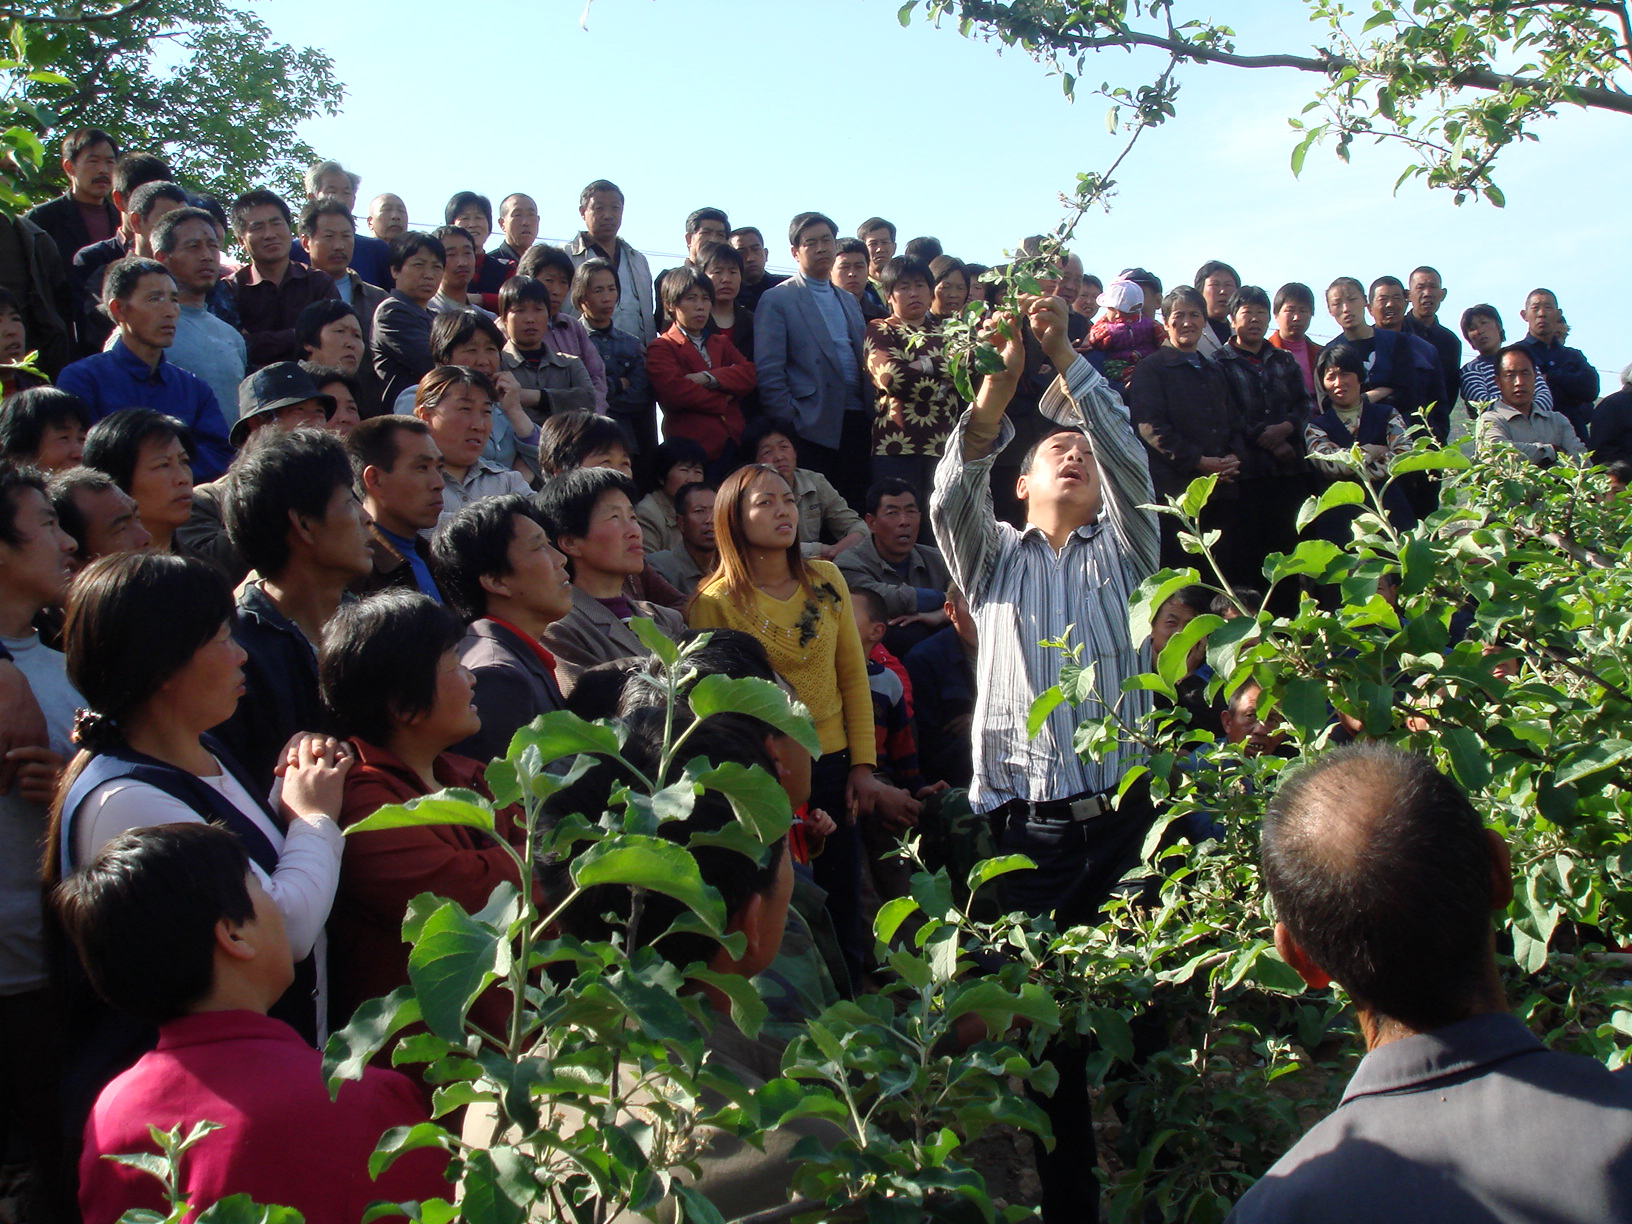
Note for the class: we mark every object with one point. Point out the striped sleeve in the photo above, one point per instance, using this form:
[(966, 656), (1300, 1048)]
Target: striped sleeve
[(961, 511)]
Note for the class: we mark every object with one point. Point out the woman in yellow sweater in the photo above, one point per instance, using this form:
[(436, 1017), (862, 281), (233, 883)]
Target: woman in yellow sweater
[(799, 608)]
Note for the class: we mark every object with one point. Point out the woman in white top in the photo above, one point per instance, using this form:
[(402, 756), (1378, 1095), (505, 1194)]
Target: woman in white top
[(149, 646)]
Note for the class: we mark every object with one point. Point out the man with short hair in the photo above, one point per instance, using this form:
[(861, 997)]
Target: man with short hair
[(293, 516), (878, 236), (175, 929), (398, 472), (518, 221), (140, 209), (850, 275), (387, 220), (185, 242), (504, 578), (698, 552), (272, 289), (400, 346), (910, 578), (458, 269), (808, 351), (1217, 283), (1539, 434), (1385, 880), (601, 206), (1392, 370), (331, 244), (1387, 305), (1426, 291), (750, 244), (85, 213), (97, 514), (1572, 378), (140, 296), (370, 255)]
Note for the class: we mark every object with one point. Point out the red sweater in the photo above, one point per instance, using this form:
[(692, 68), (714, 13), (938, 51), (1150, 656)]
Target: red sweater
[(283, 1141), (690, 409)]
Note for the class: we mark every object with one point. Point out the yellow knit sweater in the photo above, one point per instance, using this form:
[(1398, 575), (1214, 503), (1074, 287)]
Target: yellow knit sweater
[(829, 672)]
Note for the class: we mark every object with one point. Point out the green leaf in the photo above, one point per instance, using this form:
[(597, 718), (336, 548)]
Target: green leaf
[(454, 959), (1045, 704), (748, 1009), (1174, 663), (447, 807), (1273, 974), (904, 13), (484, 1197), (1593, 759), (651, 862), (241, 1209), (1305, 704), (761, 699), (1198, 495), (1153, 592), (891, 915), (998, 1005), (989, 869), (694, 1207), (1311, 557), (402, 1139), (349, 1050), (1113, 1031), (655, 640), (431, 1211), (1338, 493), (1470, 758), (1448, 460), (561, 734), (758, 800)]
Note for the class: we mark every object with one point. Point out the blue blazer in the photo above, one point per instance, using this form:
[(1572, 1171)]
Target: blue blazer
[(800, 379)]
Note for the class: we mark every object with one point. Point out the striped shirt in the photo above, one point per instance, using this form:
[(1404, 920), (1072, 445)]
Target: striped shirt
[(1021, 593)]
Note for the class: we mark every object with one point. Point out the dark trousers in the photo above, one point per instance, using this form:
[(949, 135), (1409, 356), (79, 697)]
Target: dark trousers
[(838, 867), (1078, 863), (30, 1073), (849, 466)]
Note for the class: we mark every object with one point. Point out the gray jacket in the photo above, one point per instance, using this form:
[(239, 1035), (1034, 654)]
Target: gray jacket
[(633, 312), (863, 567), (591, 634), (800, 379)]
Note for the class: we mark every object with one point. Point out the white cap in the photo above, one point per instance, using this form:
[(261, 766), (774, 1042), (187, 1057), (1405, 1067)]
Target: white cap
[(1122, 295)]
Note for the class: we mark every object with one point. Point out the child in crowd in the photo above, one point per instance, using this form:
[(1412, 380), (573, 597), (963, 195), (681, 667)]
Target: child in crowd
[(1124, 335)]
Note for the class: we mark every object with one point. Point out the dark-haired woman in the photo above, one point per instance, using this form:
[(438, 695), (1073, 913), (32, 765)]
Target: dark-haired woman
[(799, 609), (392, 682), (149, 456), (150, 649), (1348, 419), (917, 403), (45, 428)]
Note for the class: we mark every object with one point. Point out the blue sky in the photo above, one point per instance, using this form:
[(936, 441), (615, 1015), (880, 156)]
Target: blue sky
[(766, 108)]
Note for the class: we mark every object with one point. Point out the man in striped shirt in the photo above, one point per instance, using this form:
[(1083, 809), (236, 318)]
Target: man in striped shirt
[(1085, 549)]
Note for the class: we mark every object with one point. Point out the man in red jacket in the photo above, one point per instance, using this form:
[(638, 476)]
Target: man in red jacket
[(173, 928)]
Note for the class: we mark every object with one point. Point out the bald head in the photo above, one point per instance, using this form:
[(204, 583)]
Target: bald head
[(1383, 874)]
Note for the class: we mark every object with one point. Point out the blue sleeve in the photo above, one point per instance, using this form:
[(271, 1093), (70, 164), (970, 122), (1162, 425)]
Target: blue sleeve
[(771, 358), (209, 435), (930, 601)]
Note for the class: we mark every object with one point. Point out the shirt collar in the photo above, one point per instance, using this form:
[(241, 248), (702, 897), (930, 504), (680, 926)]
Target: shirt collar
[(134, 365), (206, 1028), (1086, 532), (1454, 1050), (296, 271)]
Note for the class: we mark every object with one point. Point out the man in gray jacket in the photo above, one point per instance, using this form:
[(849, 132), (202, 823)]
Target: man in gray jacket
[(601, 206), (812, 373)]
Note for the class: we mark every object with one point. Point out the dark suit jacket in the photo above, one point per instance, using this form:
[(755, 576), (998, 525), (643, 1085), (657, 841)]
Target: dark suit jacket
[(513, 687), (400, 345), (62, 220), (800, 379)]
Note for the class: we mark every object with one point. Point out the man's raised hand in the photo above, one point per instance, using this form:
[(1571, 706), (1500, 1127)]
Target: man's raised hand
[(1051, 324)]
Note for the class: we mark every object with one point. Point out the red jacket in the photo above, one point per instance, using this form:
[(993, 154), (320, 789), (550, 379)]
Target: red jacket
[(690, 409), (382, 871), (283, 1141)]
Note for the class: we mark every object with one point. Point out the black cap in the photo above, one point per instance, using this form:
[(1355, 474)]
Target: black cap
[(270, 388), (1140, 277)]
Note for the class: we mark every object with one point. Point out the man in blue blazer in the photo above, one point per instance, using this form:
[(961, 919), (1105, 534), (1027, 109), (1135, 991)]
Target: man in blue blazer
[(812, 371)]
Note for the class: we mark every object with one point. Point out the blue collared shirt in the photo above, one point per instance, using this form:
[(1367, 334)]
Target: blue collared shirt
[(416, 563), (119, 379)]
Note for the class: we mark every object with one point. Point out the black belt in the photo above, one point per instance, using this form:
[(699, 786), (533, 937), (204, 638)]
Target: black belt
[(1078, 809)]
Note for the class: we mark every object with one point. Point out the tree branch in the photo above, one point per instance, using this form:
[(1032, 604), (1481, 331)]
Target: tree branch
[(127, 10)]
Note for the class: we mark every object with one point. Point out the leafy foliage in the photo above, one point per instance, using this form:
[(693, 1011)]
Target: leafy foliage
[(1450, 82)]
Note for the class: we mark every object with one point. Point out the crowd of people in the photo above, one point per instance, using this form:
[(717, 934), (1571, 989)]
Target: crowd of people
[(286, 541)]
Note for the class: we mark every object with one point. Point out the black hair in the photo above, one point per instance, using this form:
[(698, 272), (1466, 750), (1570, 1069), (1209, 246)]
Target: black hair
[(1345, 282), (1384, 280), (1506, 349), (804, 221), (672, 452), (1187, 294), (114, 444), (14, 477), (677, 282), (451, 328), (684, 493), (542, 255), (141, 200), (722, 251), (900, 268), (379, 660), (850, 246), (581, 278), (258, 198), (80, 139), (163, 233), (324, 376), (475, 544), (1380, 868), (374, 442), (1431, 271), (434, 387), (1030, 457), (133, 169), (1198, 599), (1483, 310), (943, 266), (123, 275), (410, 243), (694, 222), (1215, 265), (725, 652), (62, 488), (323, 206), (443, 232), (598, 185), (1247, 601), (217, 211), (568, 502), (742, 231), (1247, 295), (315, 316), (762, 427), (1621, 470), (142, 915), (566, 439), (1343, 357), (26, 415), (462, 200), (8, 301), (875, 223), (888, 486), (871, 603), (925, 248), (276, 475), (522, 288), (1293, 291)]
